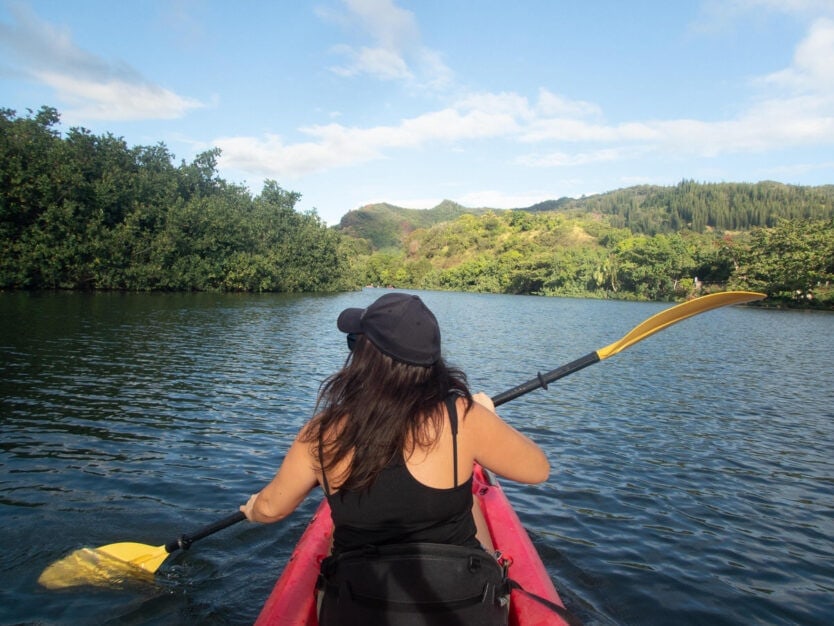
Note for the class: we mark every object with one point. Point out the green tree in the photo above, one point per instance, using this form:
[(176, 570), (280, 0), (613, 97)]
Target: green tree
[(652, 267), (87, 212), (790, 261)]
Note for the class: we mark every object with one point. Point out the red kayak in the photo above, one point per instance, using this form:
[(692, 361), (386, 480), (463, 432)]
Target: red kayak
[(292, 601)]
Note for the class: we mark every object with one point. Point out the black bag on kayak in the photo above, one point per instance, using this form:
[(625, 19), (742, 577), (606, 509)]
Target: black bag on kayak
[(420, 584)]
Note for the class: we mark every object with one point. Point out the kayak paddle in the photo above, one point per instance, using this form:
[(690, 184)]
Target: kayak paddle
[(655, 323), (117, 561)]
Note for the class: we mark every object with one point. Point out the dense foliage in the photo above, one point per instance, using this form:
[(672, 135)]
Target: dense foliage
[(792, 261), (88, 212), (644, 242), (585, 255)]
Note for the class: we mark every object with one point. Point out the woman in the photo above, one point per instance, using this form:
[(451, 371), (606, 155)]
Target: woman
[(394, 440)]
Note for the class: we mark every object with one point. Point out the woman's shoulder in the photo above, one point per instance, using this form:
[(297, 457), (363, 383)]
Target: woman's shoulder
[(471, 414), (481, 422), (310, 432)]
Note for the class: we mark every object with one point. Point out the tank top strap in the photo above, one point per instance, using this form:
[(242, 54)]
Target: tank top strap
[(324, 485), (451, 407)]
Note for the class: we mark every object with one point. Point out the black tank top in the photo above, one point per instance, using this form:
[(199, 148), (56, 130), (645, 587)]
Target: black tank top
[(398, 508)]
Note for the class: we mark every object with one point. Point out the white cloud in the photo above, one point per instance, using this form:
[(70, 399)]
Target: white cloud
[(379, 62), (554, 105), (115, 99), (562, 159), (95, 87), (433, 72), (565, 142), (336, 145), (502, 200), (451, 125), (803, 117), (574, 131), (794, 7), (385, 21), (813, 62), (555, 131), (272, 158), (395, 53), (505, 103), (723, 14)]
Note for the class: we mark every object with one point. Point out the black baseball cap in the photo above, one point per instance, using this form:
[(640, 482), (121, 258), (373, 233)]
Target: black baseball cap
[(400, 325)]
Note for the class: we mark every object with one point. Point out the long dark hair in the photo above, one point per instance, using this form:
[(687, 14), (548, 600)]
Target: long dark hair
[(374, 407)]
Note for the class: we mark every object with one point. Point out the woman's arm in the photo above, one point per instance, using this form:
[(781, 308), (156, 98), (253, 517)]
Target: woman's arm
[(294, 480), (501, 448)]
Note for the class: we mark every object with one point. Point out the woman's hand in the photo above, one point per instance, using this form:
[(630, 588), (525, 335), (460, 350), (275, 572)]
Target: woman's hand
[(484, 400), (248, 509)]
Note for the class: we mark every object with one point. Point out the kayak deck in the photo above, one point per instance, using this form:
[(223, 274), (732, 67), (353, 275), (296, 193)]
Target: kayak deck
[(293, 603)]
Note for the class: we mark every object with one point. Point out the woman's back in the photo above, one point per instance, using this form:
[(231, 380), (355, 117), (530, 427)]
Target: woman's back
[(422, 495), (424, 492)]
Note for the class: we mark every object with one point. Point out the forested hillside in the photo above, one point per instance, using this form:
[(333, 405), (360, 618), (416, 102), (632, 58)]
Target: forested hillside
[(88, 212), (586, 254), (80, 211), (700, 207)]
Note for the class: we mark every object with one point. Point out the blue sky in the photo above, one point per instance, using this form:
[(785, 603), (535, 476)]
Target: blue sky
[(488, 103)]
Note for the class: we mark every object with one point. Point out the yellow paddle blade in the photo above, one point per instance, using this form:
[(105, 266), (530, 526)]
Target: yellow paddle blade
[(675, 314), (105, 566), (148, 558)]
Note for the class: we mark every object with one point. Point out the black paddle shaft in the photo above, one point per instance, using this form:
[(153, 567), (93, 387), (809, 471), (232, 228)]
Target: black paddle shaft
[(541, 380), (184, 541)]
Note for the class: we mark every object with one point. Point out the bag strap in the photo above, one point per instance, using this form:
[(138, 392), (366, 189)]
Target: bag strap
[(561, 611), (451, 407)]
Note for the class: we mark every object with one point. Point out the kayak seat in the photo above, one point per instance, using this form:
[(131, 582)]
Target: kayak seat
[(419, 584)]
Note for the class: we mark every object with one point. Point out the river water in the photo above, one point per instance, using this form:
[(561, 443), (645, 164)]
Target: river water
[(692, 483)]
